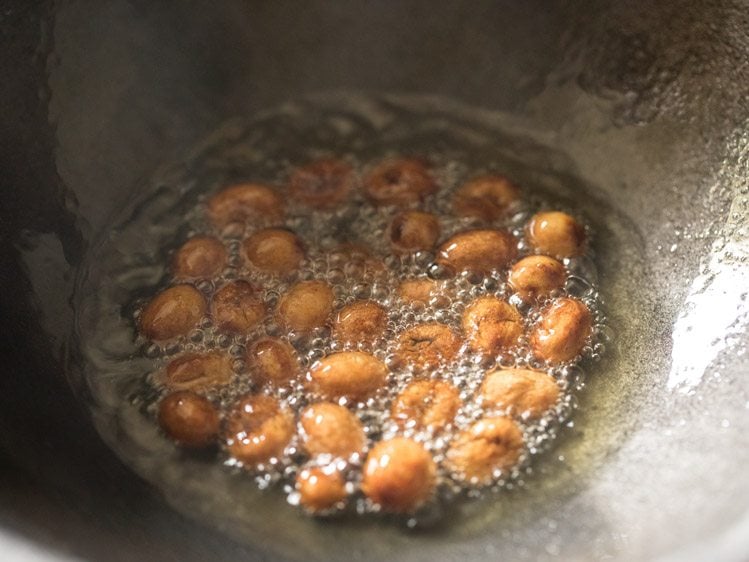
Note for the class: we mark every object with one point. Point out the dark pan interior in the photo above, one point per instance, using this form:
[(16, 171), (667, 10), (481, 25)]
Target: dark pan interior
[(647, 101)]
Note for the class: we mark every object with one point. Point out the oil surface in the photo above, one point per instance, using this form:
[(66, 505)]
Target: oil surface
[(130, 266)]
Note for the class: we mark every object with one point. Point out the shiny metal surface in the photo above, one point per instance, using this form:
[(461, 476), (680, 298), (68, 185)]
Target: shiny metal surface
[(648, 102)]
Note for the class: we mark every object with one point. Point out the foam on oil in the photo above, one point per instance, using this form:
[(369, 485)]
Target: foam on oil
[(132, 266)]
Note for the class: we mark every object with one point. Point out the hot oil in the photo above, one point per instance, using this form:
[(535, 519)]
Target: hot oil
[(131, 265)]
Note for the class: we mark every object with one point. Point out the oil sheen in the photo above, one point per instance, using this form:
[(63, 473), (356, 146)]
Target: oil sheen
[(131, 264)]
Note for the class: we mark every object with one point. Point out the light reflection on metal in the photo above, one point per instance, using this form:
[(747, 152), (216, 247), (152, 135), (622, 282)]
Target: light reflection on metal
[(715, 313)]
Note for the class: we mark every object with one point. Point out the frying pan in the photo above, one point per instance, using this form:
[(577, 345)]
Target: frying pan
[(648, 102)]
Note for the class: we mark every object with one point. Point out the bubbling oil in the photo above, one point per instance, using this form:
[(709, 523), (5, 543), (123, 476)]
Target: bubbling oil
[(257, 152)]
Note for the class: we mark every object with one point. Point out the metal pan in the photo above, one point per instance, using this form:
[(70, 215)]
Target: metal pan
[(648, 105)]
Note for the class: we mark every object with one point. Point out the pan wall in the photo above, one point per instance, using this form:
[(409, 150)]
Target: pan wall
[(650, 102)]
